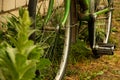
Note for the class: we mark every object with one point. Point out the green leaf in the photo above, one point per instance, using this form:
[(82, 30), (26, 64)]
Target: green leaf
[(36, 53), (100, 73), (11, 53), (43, 64), (7, 65), (13, 40), (29, 47), (20, 61), (21, 11), (29, 71), (26, 19), (31, 32)]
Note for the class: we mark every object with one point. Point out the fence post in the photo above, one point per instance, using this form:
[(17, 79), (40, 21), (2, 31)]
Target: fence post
[(74, 29), (32, 13)]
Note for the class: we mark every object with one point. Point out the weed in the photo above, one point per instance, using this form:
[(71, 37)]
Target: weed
[(20, 57), (79, 51)]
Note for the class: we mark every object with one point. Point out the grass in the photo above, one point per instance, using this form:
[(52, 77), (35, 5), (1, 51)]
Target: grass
[(104, 68)]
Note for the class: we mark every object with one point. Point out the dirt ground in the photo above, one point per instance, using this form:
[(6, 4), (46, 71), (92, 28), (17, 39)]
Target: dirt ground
[(106, 67)]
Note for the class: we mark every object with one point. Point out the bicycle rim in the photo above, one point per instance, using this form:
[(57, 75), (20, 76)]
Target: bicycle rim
[(54, 38), (101, 24)]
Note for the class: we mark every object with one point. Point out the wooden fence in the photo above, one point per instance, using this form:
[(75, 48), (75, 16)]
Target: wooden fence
[(11, 5)]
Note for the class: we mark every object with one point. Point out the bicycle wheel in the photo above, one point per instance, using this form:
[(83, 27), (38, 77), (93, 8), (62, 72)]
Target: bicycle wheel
[(54, 36), (99, 25)]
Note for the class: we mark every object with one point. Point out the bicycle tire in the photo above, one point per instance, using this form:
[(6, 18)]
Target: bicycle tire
[(54, 35), (99, 26), (64, 59)]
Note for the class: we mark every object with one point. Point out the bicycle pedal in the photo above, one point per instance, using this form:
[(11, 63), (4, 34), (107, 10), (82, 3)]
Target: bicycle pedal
[(106, 45), (103, 48)]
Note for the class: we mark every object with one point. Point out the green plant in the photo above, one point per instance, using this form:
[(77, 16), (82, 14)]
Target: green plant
[(89, 75), (20, 58), (79, 51), (83, 32)]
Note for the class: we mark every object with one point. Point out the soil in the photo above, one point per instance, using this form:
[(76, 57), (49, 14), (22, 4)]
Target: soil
[(106, 67)]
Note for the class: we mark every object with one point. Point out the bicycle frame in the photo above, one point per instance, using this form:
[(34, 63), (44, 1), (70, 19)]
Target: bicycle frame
[(62, 23), (67, 9), (96, 13)]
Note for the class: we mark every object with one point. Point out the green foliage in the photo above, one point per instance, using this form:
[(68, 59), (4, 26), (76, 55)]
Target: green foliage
[(44, 67), (100, 34), (90, 75), (79, 51), (20, 57), (83, 32)]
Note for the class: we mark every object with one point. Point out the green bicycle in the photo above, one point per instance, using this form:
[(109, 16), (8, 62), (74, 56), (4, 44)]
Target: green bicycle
[(56, 24)]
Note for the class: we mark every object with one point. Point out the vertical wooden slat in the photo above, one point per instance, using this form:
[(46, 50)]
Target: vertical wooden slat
[(20, 3), (32, 13), (1, 5), (8, 4)]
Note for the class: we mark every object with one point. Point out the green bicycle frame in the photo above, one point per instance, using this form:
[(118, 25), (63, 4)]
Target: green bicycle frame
[(95, 13), (102, 11), (67, 10), (66, 13), (50, 8)]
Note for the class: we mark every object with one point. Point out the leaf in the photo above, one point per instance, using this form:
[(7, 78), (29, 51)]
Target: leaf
[(43, 64), (26, 68), (26, 19), (20, 62), (29, 47), (2, 77), (100, 73), (29, 71), (21, 11), (22, 39), (13, 40), (11, 53), (36, 53), (7, 65), (31, 32)]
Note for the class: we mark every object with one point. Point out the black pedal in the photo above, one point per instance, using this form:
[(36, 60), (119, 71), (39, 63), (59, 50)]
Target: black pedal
[(105, 49)]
